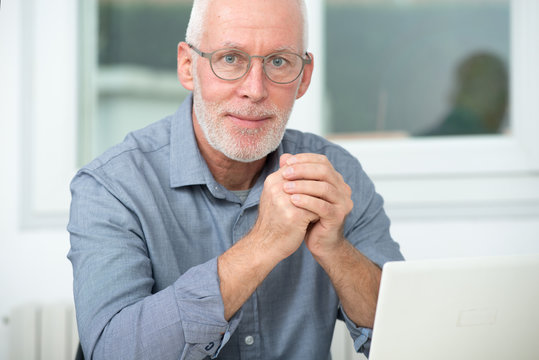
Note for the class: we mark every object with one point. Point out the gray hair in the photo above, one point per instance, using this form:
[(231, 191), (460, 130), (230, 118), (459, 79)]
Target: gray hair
[(195, 27)]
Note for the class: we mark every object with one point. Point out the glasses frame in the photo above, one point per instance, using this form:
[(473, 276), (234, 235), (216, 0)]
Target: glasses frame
[(210, 54)]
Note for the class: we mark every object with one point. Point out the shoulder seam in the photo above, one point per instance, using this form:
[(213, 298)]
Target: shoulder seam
[(101, 164)]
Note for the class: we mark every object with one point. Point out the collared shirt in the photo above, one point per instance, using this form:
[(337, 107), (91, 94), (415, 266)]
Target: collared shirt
[(147, 223)]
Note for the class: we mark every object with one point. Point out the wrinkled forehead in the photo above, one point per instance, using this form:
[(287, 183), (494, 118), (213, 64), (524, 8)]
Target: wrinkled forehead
[(254, 23)]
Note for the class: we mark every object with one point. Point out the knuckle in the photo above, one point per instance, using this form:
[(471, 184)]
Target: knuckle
[(350, 205), (327, 209), (327, 188), (269, 180)]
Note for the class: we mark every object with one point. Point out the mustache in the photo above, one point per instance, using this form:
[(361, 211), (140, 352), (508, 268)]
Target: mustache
[(248, 110)]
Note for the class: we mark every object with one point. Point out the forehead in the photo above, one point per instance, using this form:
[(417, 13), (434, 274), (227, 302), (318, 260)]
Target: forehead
[(254, 24)]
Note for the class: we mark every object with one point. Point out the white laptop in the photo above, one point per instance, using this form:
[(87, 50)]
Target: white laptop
[(458, 309)]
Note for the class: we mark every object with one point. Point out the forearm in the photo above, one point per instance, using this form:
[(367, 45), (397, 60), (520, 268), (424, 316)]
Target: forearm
[(356, 280), (241, 270)]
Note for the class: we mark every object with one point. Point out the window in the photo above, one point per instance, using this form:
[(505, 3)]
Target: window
[(431, 67), (135, 76)]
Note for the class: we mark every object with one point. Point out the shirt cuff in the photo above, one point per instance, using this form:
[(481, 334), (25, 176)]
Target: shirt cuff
[(201, 307), (232, 325), (360, 335)]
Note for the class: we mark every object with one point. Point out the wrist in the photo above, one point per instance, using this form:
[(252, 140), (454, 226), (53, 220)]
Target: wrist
[(333, 257), (271, 245), (322, 250)]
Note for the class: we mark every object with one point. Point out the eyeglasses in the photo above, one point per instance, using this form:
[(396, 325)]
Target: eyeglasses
[(232, 64)]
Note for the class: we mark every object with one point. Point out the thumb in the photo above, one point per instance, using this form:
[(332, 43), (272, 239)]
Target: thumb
[(283, 158)]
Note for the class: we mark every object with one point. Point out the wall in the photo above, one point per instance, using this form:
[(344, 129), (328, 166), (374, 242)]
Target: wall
[(33, 264)]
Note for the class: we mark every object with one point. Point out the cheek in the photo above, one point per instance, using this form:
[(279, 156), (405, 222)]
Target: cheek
[(210, 87), (285, 96), (215, 90)]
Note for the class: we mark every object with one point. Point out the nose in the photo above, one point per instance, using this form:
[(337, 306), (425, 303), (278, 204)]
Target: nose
[(253, 84)]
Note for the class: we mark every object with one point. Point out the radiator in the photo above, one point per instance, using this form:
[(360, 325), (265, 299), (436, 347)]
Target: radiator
[(43, 332), (49, 332)]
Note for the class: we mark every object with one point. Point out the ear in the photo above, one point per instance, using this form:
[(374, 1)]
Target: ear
[(185, 66), (306, 77)]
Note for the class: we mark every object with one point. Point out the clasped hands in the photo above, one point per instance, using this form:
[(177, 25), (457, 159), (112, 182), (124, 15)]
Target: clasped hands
[(306, 199)]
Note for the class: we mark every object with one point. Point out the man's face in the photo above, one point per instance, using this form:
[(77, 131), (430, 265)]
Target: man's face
[(245, 119)]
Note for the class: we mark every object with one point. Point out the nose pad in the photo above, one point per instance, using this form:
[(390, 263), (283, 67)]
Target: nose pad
[(256, 64)]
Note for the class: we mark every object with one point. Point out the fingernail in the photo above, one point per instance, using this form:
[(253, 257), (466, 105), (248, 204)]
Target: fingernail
[(288, 171), (291, 161)]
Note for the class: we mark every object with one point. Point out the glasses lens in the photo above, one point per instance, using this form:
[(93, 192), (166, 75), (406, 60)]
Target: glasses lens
[(229, 64), (283, 67)]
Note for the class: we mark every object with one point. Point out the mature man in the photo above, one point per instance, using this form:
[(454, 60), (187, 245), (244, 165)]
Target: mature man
[(215, 232)]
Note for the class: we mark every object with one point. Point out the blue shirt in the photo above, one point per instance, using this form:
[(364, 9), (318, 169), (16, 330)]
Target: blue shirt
[(147, 223)]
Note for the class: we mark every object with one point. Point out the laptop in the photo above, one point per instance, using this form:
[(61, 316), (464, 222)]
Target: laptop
[(458, 309)]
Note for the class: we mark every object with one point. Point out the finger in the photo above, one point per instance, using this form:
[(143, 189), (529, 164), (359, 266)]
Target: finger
[(307, 158), (313, 171), (319, 189), (325, 210), (314, 205), (283, 159), (321, 167)]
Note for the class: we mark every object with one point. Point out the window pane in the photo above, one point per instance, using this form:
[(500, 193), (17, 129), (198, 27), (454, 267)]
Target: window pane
[(136, 77), (417, 67)]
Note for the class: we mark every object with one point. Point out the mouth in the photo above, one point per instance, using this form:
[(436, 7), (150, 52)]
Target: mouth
[(249, 121)]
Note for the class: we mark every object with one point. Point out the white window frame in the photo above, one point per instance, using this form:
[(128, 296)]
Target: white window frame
[(517, 151), (50, 106)]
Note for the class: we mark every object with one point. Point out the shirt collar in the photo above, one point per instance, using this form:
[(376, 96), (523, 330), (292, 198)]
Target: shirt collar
[(187, 166)]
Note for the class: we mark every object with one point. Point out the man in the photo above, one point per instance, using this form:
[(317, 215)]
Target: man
[(479, 100), (213, 233)]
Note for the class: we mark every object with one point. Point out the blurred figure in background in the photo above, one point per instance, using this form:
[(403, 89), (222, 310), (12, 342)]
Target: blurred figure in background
[(479, 99)]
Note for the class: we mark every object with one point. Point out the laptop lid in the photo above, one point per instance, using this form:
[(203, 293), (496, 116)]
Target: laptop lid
[(458, 309)]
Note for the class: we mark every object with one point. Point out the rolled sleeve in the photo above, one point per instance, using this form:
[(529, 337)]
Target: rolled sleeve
[(202, 311), (361, 336)]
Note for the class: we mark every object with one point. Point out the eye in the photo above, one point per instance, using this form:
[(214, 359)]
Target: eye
[(230, 58), (278, 62)]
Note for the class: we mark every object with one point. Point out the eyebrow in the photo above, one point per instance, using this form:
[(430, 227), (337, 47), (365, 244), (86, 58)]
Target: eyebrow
[(234, 45)]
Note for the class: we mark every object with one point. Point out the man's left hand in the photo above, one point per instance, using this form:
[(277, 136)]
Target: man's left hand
[(314, 185)]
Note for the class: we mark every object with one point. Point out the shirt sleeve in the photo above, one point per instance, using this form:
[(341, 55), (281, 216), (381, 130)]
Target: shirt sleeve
[(118, 315), (360, 335)]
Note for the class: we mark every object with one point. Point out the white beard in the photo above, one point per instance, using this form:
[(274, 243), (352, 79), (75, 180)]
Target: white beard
[(239, 144)]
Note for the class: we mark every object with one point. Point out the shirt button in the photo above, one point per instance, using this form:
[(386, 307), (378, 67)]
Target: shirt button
[(249, 340)]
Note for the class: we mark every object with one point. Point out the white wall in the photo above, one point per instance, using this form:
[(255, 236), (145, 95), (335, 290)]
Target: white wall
[(434, 215), (33, 264)]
